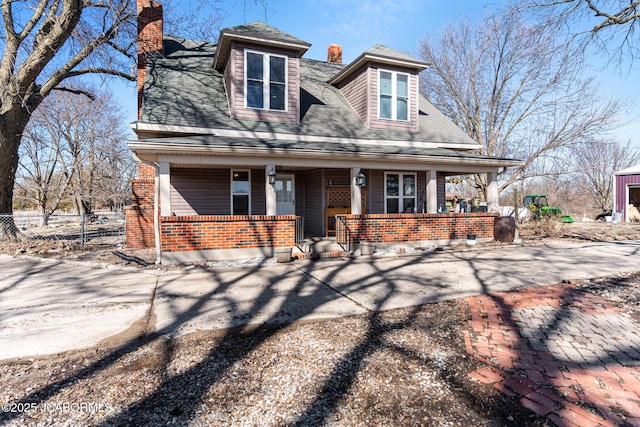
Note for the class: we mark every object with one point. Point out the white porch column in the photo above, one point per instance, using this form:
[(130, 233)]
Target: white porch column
[(492, 192), (356, 194), (432, 191), (270, 191), (165, 189)]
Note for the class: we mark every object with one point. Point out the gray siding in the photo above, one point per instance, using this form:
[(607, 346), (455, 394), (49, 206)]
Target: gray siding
[(300, 190), (229, 84), (292, 115), (258, 196), (375, 122), (200, 191), (337, 176), (442, 203), (375, 189), (314, 203), (355, 91)]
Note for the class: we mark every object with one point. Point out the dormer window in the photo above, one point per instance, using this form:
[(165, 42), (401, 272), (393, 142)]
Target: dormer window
[(265, 81), (394, 95)]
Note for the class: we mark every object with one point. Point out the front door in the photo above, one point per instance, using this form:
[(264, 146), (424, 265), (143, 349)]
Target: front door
[(285, 195)]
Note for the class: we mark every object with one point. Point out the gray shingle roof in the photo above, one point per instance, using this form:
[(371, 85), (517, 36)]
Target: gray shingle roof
[(262, 31), (183, 89)]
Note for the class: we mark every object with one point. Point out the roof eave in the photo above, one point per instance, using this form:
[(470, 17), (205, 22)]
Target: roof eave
[(271, 152), (225, 39), (346, 72)]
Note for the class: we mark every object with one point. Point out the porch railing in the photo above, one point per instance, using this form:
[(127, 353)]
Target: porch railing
[(299, 231), (343, 237)]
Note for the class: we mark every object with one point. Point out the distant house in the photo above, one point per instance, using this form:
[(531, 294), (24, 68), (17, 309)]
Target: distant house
[(626, 193), (246, 146)]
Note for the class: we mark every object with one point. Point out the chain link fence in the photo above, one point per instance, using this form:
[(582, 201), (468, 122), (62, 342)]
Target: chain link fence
[(89, 229)]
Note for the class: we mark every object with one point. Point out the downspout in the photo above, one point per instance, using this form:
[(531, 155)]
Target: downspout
[(156, 197)]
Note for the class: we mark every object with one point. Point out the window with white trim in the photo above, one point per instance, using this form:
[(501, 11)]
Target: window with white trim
[(400, 192), (240, 192), (394, 95), (265, 81)]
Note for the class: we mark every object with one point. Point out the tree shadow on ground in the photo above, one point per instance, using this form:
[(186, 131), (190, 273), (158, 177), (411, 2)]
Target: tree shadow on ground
[(167, 400)]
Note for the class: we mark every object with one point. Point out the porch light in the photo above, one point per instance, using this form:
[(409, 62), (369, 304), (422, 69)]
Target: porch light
[(272, 176), (361, 180)]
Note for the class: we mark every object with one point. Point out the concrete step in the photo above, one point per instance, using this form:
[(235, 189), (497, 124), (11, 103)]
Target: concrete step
[(319, 245)]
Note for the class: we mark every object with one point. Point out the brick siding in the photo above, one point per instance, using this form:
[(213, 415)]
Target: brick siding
[(194, 233), (139, 216), (387, 228)]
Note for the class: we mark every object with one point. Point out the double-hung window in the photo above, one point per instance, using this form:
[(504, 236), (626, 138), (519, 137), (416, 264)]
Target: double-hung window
[(240, 192), (394, 95), (265, 81), (400, 192)]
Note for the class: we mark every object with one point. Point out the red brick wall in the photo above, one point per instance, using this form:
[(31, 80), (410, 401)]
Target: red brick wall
[(193, 233), (414, 227), (146, 172), (149, 39), (139, 216)]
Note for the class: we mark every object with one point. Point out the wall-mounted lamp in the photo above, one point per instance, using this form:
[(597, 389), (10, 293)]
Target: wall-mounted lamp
[(272, 176), (361, 180)]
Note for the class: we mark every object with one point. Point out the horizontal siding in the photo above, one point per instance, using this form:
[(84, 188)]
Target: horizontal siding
[(229, 83), (337, 176), (622, 181), (314, 203), (375, 186), (292, 115), (355, 92), (258, 196), (375, 122), (200, 192), (298, 186)]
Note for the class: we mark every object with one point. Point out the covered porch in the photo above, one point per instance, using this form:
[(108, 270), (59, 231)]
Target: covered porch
[(216, 208)]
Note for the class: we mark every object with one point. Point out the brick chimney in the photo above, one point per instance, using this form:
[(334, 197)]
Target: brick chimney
[(149, 39), (334, 54)]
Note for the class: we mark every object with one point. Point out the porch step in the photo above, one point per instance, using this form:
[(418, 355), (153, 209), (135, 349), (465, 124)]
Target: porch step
[(319, 245)]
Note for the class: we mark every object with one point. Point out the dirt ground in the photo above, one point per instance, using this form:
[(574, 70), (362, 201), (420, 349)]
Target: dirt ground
[(399, 367)]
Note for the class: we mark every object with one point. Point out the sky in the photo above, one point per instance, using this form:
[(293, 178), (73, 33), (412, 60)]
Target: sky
[(358, 25)]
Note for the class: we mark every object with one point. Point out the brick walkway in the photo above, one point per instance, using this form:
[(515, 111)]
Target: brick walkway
[(567, 355)]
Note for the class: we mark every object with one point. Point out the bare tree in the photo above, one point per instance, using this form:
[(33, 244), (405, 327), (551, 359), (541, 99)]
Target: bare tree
[(40, 174), (610, 24), (74, 147), (47, 45), (515, 88), (596, 164)]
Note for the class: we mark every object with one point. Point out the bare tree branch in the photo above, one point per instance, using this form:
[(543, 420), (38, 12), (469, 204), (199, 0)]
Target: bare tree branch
[(515, 88)]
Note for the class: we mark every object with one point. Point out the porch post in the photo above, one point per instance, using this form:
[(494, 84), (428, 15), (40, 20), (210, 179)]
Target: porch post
[(432, 191), (492, 192), (356, 194), (165, 189), (270, 191)]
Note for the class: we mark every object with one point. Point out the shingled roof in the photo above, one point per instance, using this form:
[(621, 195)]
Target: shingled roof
[(183, 89)]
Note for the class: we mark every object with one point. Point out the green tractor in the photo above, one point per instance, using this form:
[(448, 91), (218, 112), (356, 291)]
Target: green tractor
[(539, 208)]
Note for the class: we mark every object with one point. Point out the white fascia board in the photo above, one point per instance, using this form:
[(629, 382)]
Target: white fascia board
[(436, 164), (254, 156), (296, 138)]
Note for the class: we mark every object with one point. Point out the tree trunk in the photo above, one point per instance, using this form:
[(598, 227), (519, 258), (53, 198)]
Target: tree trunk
[(12, 125)]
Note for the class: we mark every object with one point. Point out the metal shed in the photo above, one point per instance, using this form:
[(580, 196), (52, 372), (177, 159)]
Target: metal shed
[(626, 193)]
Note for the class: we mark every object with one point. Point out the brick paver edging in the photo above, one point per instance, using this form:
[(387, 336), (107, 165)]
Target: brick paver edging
[(565, 354)]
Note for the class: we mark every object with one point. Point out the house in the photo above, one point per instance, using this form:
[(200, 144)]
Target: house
[(626, 194), (245, 146)]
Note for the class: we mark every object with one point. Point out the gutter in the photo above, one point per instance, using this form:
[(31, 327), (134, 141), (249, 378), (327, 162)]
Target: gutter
[(156, 197)]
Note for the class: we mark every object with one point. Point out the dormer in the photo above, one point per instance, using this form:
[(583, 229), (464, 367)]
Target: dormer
[(382, 87), (261, 72)]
